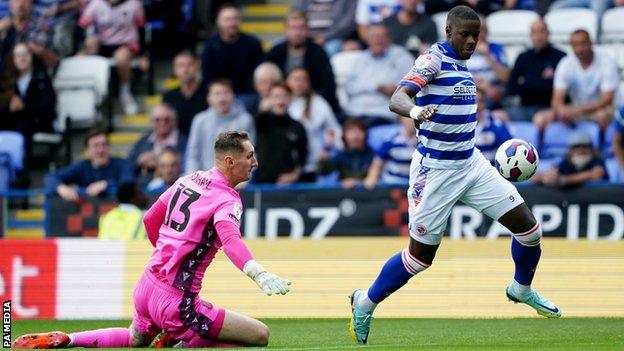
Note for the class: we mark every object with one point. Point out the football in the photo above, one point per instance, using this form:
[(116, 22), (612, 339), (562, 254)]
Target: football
[(516, 160)]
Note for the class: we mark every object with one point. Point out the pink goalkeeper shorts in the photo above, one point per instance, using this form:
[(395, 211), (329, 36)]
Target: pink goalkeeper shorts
[(184, 316)]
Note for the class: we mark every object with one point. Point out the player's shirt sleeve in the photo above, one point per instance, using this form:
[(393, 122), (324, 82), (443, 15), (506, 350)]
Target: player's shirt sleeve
[(424, 70), (229, 211), (139, 15)]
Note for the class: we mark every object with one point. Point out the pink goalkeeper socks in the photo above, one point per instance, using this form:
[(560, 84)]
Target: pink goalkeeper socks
[(101, 338)]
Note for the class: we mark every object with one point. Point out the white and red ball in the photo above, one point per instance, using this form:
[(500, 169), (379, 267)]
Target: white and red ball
[(516, 160)]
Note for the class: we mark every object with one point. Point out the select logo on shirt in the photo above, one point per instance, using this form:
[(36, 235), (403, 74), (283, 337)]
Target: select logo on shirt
[(465, 90)]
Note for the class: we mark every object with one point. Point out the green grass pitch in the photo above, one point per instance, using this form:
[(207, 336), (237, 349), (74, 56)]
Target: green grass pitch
[(587, 334)]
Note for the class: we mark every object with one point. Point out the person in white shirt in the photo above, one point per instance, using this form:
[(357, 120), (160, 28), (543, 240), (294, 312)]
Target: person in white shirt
[(373, 78), (317, 117), (590, 78)]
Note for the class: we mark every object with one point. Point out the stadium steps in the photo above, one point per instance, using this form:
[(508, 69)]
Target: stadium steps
[(25, 233), (30, 215), (265, 21)]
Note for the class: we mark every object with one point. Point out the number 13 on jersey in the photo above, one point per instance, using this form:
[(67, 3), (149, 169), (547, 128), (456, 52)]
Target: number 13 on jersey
[(188, 197)]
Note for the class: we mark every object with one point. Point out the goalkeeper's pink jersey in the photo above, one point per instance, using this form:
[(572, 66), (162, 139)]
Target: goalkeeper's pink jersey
[(187, 240)]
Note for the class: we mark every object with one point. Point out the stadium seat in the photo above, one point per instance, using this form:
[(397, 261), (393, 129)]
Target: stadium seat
[(511, 27), (81, 84), (607, 150), (562, 22), (547, 163), (512, 52), (613, 25), (378, 135), (526, 131), (614, 170), (342, 65), (11, 157), (6, 173), (440, 20), (12, 143), (557, 135)]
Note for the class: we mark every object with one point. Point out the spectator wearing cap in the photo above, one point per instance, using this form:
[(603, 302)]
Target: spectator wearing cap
[(582, 164)]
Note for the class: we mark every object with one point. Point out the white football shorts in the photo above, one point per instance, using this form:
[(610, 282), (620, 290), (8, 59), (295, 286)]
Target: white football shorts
[(433, 192)]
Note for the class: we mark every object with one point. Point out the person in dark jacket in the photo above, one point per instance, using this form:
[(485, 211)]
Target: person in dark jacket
[(27, 98), (282, 145), (298, 50), (231, 54), (189, 98), (533, 74), (98, 174)]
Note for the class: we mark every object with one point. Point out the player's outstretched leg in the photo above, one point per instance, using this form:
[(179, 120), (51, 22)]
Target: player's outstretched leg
[(99, 338), (526, 252), (51, 340), (395, 273)]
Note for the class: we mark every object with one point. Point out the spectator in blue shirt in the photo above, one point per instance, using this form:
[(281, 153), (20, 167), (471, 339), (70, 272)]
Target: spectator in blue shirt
[(392, 161), (490, 132), (582, 164), (99, 174), (353, 162)]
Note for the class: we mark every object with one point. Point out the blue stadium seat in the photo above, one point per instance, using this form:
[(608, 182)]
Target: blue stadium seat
[(615, 172), (6, 171), (526, 131), (12, 143), (377, 135), (557, 135), (547, 163), (607, 150)]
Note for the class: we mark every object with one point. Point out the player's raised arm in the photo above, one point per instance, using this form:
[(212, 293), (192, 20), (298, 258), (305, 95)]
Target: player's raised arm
[(424, 70)]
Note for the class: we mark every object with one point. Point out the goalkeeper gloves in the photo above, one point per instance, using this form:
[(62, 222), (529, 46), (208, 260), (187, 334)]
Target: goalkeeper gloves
[(268, 282)]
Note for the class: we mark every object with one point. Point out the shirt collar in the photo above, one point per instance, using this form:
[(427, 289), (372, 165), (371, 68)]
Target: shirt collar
[(170, 141), (448, 50)]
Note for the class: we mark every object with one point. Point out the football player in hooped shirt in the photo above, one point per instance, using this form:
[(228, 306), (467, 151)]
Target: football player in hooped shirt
[(188, 224), (446, 168)]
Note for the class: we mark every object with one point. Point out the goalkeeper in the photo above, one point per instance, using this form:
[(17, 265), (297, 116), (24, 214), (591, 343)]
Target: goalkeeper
[(199, 214)]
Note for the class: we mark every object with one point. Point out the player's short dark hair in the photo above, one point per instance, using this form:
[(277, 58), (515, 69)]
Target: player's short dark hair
[(93, 132), (127, 192), (220, 81), (230, 141), (461, 13)]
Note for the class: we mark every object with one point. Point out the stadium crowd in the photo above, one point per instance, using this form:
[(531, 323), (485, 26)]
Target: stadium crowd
[(316, 102)]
